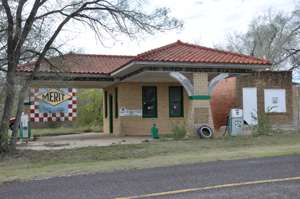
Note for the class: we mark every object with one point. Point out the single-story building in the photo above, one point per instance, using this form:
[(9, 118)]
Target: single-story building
[(167, 86)]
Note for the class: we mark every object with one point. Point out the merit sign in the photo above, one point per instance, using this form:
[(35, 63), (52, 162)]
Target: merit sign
[(54, 96)]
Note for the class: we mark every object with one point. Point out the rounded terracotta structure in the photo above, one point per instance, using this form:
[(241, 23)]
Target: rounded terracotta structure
[(223, 98)]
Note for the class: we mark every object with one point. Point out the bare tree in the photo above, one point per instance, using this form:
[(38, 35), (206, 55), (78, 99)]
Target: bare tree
[(1, 92), (25, 18), (274, 36)]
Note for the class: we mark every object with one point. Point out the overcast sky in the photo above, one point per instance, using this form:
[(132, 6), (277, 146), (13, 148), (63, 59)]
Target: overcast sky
[(206, 22)]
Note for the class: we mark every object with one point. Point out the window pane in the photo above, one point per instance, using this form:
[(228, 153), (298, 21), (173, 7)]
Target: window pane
[(149, 101), (175, 93), (175, 109), (175, 101)]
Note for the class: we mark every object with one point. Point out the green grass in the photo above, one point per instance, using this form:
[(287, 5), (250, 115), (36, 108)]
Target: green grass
[(63, 131), (24, 165)]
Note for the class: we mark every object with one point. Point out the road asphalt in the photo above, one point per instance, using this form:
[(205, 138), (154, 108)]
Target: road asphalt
[(175, 178)]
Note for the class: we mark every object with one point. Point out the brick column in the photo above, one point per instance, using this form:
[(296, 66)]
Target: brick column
[(199, 106)]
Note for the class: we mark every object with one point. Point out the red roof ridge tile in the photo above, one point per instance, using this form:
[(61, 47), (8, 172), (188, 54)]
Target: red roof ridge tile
[(178, 42), (155, 50), (224, 51)]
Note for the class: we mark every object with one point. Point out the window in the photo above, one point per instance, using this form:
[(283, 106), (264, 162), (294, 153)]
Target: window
[(275, 100), (175, 101), (105, 104), (149, 100), (116, 103)]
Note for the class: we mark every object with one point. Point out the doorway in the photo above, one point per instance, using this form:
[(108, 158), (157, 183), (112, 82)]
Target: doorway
[(110, 105)]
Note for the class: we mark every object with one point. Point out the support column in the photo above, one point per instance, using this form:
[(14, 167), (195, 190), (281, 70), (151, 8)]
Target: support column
[(199, 106)]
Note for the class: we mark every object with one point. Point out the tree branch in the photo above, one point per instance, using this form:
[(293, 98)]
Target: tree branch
[(58, 11), (10, 30), (19, 20), (28, 23), (53, 37)]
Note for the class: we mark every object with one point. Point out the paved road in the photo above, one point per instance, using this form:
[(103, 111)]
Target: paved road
[(265, 191), (139, 182)]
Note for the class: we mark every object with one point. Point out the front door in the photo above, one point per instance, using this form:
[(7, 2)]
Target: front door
[(110, 104), (250, 105)]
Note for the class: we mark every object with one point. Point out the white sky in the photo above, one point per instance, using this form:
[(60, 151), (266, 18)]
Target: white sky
[(206, 22)]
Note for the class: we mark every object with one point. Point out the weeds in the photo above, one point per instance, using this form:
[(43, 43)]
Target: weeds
[(178, 131), (263, 126)]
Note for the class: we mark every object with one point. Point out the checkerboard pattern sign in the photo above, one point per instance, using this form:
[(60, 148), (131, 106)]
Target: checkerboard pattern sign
[(53, 105)]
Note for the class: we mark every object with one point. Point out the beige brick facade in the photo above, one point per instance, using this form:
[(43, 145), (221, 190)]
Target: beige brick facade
[(199, 110), (196, 112), (130, 97)]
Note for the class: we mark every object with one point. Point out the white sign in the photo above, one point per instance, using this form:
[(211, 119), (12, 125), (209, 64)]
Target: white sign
[(236, 113), (275, 100), (130, 112)]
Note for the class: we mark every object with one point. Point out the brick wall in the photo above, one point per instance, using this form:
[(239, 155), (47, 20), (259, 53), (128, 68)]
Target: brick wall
[(199, 110), (228, 94), (268, 80), (130, 96)]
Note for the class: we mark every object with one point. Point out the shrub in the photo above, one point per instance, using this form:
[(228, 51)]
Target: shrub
[(263, 126), (90, 103), (178, 131)]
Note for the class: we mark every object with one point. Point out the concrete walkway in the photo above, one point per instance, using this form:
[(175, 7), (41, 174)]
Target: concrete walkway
[(79, 140)]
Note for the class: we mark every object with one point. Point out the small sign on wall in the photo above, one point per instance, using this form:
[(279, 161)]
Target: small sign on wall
[(130, 112), (275, 100)]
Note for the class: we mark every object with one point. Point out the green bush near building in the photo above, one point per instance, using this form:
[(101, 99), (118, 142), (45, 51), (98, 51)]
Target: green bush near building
[(264, 126), (89, 109), (178, 131)]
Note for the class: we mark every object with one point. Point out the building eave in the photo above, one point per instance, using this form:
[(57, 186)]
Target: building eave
[(138, 65), (63, 76)]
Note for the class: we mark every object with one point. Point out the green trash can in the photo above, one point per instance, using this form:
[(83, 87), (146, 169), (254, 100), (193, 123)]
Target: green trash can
[(154, 132)]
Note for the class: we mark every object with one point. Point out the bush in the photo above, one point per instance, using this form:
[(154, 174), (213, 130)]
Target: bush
[(178, 131), (263, 126), (90, 105)]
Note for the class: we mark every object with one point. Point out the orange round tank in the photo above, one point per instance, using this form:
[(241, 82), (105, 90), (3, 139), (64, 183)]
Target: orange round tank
[(223, 99)]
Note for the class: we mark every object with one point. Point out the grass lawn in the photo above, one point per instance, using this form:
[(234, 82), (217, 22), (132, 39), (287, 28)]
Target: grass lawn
[(63, 131), (25, 165)]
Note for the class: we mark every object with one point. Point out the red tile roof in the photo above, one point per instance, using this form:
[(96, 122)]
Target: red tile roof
[(184, 52), (81, 63), (175, 52)]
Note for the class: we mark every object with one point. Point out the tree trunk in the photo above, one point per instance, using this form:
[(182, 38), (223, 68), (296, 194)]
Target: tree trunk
[(20, 107), (8, 107)]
